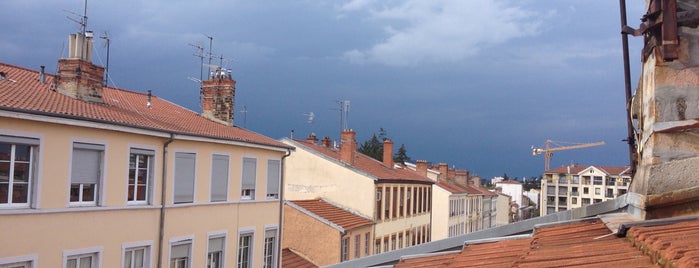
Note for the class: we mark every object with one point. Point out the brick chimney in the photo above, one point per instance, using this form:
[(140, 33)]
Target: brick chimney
[(443, 171), (312, 138), (218, 96), (77, 77), (326, 141), (421, 167), (348, 148), (388, 153)]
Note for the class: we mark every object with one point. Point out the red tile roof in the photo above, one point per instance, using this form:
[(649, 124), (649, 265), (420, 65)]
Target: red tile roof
[(292, 259), (25, 94), (333, 214), (370, 166), (457, 188), (585, 243), (609, 170)]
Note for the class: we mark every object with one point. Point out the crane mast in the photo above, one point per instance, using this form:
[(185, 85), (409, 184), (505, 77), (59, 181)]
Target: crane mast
[(548, 150)]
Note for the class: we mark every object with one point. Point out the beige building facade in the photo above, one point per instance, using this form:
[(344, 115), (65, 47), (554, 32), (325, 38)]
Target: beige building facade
[(571, 187), (93, 176)]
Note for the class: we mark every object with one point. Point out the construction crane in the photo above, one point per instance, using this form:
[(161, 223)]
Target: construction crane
[(548, 149)]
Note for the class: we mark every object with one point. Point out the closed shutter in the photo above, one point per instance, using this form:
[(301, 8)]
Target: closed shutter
[(87, 159), (216, 244), (184, 177), (273, 175), (180, 251), (249, 173), (219, 178)]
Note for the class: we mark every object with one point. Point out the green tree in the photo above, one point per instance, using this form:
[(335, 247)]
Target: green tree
[(372, 148), (401, 155)]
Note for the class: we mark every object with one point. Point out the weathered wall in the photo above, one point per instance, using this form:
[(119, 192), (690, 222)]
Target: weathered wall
[(317, 240)]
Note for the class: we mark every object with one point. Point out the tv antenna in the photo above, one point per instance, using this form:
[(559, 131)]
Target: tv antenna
[(199, 54), (343, 108), (210, 54), (105, 36), (245, 115)]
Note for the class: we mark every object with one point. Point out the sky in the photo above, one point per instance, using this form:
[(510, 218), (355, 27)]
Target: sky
[(471, 83)]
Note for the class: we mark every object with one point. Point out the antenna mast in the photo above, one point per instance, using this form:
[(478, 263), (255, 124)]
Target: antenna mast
[(200, 54), (105, 36), (211, 42)]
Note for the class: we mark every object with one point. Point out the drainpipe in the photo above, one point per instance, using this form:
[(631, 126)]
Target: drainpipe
[(161, 227), (281, 209)]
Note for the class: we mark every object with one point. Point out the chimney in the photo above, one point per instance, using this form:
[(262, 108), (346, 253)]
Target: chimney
[(348, 147), (476, 181), (218, 96), (326, 142), (312, 138), (388, 153), (42, 74), (443, 171), (421, 167), (667, 109), (77, 77)]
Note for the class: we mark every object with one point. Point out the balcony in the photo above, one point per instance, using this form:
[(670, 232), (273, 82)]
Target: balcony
[(574, 193), (562, 204), (610, 195)]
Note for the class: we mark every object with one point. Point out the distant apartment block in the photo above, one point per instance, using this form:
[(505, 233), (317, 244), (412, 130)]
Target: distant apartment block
[(575, 186)]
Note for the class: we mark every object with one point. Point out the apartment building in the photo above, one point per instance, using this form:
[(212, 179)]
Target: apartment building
[(398, 200), (96, 176), (337, 234), (575, 186)]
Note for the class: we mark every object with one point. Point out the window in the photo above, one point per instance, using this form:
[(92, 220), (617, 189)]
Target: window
[(214, 258), (136, 257), (140, 176), (248, 180), (219, 178), (16, 170), (586, 190), (184, 177), (180, 254), (366, 244), (357, 245), (244, 250), (387, 205), (273, 177), (598, 191), (270, 256), (82, 261), (344, 249), (86, 173), (379, 211), (22, 264)]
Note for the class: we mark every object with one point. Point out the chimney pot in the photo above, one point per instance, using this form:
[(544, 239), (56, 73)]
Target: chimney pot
[(421, 167), (312, 138), (348, 146), (326, 141)]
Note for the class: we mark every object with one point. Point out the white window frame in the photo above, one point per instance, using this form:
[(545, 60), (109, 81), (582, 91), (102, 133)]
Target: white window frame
[(185, 240), (147, 254), (213, 187), (250, 248), (217, 235), (271, 180), (30, 261), (101, 149), (344, 248), (273, 256), (150, 168), (194, 178), (33, 144), (248, 193), (95, 252)]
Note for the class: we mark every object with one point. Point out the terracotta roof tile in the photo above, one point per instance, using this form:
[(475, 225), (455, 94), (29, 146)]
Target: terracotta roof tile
[(457, 188), (370, 165), (121, 107), (334, 214), (292, 259), (584, 243)]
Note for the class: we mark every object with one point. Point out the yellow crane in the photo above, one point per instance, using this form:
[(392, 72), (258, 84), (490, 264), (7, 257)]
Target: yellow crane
[(549, 149)]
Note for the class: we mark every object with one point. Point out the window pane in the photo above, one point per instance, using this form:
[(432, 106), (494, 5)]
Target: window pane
[(4, 172), (20, 193), (127, 259), (86, 262), (5, 151), (4, 193), (88, 192), (21, 172), (22, 152), (74, 192), (139, 258), (72, 263)]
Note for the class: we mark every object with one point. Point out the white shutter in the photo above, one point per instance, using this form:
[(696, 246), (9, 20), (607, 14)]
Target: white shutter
[(219, 178), (184, 177), (273, 175), (249, 173), (86, 164)]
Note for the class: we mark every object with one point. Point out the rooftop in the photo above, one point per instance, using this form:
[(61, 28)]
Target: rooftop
[(367, 165), (587, 242), (330, 213), (575, 169), (291, 258), (22, 92)]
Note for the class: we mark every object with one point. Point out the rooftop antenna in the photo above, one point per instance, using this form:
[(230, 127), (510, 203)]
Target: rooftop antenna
[(211, 42), (200, 54), (245, 115), (343, 108), (105, 36)]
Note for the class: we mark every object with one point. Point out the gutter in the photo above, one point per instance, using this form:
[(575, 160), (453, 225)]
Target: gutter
[(281, 208), (161, 227)]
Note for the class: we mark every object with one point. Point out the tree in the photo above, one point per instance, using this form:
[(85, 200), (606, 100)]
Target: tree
[(372, 148), (401, 155)]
